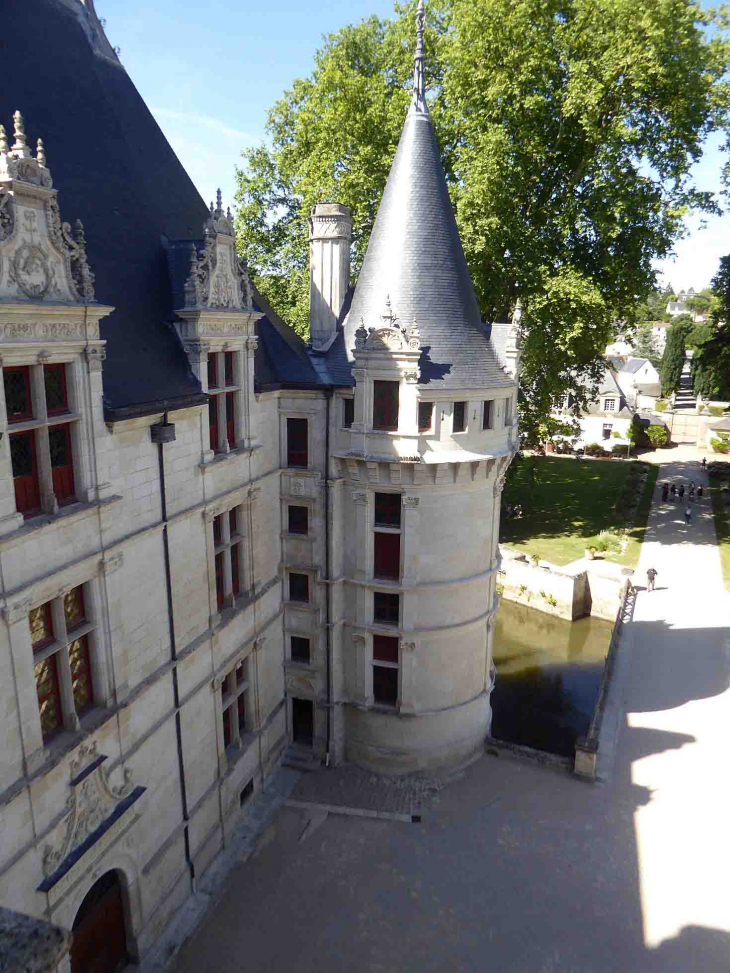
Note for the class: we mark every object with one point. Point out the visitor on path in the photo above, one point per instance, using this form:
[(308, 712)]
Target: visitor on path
[(699, 492), (665, 492), (681, 491), (688, 515), (674, 492), (691, 491), (651, 578), (704, 462)]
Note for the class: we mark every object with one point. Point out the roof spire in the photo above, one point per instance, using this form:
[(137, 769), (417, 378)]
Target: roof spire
[(418, 104), (20, 148)]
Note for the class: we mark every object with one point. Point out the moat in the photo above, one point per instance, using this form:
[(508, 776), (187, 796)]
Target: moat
[(548, 674)]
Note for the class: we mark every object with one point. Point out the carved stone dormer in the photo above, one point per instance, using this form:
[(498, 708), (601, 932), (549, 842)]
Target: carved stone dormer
[(387, 351), (41, 259)]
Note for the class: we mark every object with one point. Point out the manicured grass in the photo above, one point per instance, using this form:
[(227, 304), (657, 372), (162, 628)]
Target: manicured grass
[(722, 528), (568, 505)]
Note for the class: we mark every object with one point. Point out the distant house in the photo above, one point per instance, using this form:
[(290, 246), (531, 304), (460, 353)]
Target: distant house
[(675, 308), (621, 346), (627, 387)]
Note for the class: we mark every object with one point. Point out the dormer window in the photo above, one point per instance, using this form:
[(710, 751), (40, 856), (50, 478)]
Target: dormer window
[(425, 416), (385, 406), (609, 405)]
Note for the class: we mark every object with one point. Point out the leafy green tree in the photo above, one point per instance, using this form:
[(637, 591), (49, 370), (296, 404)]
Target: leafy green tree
[(567, 130), (675, 353), (711, 360), (645, 345)]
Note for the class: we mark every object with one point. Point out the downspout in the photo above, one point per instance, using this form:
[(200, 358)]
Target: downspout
[(173, 654), (327, 579)]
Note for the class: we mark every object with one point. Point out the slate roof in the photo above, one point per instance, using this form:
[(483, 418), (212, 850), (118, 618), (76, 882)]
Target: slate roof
[(415, 257), (633, 365)]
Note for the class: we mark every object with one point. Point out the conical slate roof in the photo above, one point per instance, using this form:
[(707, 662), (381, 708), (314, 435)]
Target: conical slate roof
[(416, 259)]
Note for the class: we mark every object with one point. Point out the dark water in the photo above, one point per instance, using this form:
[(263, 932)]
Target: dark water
[(548, 674)]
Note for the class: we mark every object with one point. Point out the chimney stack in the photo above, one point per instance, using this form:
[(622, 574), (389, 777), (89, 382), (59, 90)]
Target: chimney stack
[(330, 233)]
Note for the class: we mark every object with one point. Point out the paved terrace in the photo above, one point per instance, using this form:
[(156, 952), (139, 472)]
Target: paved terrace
[(515, 867)]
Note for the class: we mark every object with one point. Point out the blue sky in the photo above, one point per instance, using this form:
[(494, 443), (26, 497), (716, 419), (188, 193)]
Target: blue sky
[(209, 71)]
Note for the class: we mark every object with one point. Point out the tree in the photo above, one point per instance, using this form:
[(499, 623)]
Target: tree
[(567, 131), (711, 360), (645, 346), (675, 353)]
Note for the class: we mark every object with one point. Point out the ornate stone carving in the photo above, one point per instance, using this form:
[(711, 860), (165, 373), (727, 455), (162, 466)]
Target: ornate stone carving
[(95, 356), (218, 277), (408, 647), (297, 487), (499, 485), (358, 640), (388, 335), (90, 802), (360, 497), (412, 377), (17, 162), (7, 214)]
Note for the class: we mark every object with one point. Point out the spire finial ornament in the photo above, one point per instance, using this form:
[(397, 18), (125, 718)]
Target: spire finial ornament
[(20, 148), (4, 147), (41, 154), (219, 204), (418, 104)]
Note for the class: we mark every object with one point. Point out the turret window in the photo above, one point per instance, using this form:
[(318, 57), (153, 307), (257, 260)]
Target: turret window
[(297, 443), (385, 670), (386, 608), (386, 556), (348, 412), (385, 406), (425, 416), (387, 509), (488, 415), (298, 520), (459, 418)]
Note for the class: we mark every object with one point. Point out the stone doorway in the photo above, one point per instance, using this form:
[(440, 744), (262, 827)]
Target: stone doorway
[(99, 933), (302, 721)]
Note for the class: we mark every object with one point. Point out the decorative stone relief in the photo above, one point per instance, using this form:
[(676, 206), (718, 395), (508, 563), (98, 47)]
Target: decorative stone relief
[(499, 485), (358, 640), (95, 357), (218, 277), (45, 259), (408, 647), (297, 488), (90, 802), (359, 497), (411, 377)]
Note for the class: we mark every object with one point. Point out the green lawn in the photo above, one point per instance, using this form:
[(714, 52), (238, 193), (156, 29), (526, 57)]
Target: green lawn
[(722, 527), (568, 504)]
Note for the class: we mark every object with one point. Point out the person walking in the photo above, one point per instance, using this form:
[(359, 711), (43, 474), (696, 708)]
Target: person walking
[(673, 491), (688, 515), (691, 491), (651, 578), (704, 462), (699, 492), (681, 492), (665, 492)]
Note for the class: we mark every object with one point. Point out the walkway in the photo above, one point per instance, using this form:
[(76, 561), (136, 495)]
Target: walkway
[(516, 867)]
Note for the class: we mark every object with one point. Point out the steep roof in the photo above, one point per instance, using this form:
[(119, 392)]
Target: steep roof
[(633, 365), (415, 258)]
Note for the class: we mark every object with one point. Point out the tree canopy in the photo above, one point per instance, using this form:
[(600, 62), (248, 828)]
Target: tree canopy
[(567, 129), (711, 361), (675, 353)]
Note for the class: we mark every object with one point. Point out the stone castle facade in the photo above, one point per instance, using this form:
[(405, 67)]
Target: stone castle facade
[(217, 542)]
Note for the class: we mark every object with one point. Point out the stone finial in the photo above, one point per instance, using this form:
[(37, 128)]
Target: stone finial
[(20, 147), (418, 104), (192, 291), (41, 154), (219, 205), (229, 217), (4, 147), (388, 316)]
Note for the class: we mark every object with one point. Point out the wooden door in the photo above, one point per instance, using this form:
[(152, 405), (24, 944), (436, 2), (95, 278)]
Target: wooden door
[(99, 937)]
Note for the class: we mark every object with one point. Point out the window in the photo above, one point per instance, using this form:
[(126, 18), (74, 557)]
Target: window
[(298, 587), (508, 410), (488, 414), (387, 556), (386, 608), (387, 509), (385, 406), (385, 670), (348, 412), (50, 434), (227, 545), (222, 391), (297, 442), (298, 520), (425, 416), (60, 631), (459, 417), (609, 405), (607, 427), (233, 704), (300, 651)]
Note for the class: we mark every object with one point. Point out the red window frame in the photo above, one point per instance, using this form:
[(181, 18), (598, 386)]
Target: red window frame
[(45, 612), (74, 607), (388, 509), (220, 593), (24, 370), (51, 720), (386, 556), (27, 485), (61, 369), (297, 443), (385, 685), (62, 474), (385, 406), (231, 418), (81, 678), (228, 368), (385, 649), (227, 735), (213, 423), (212, 371)]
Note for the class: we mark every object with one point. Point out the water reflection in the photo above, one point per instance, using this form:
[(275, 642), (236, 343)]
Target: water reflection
[(548, 674)]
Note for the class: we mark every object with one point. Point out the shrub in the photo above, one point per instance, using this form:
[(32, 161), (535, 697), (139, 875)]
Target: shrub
[(594, 449), (716, 410), (522, 589), (552, 601), (720, 445), (658, 435), (662, 405)]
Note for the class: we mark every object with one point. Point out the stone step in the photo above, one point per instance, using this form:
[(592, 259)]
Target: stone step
[(301, 758)]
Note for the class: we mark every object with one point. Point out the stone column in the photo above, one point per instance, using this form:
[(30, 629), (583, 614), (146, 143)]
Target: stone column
[(410, 540), (364, 669), (330, 232)]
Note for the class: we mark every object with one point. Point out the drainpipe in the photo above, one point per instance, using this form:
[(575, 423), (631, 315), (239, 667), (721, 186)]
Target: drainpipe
[(161, 433), (327, 579)]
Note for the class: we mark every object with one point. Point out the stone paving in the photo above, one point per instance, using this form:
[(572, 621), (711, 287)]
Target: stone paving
[(516, 868)]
